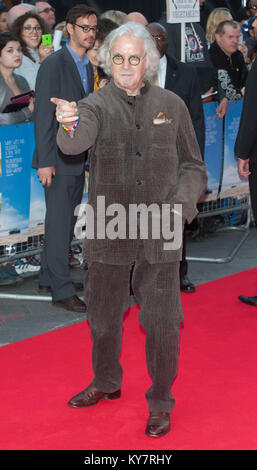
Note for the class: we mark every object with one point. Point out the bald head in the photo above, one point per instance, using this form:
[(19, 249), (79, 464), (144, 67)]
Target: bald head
[(137, 18), (159, 34)]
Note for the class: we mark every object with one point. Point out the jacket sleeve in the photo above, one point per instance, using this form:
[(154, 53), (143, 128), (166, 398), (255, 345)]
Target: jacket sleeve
[(247, 134), (192, 177), (85, 134), (47, 86), (196, 111)]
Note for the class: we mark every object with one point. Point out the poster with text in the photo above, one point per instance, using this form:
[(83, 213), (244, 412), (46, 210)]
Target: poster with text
[(213, 149), (183, 11), (232, 183), (14, 180)]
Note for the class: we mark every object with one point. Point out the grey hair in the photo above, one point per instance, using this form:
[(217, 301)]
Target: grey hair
[(135, 30)]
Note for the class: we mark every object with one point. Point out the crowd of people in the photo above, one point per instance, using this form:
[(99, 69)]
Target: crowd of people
[(222, 54), (125, 67)]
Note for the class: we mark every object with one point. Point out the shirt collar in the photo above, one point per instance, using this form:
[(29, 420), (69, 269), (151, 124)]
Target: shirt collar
[(75, 56), (163, 61)]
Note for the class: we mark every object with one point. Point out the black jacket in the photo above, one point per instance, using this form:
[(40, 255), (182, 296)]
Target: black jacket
[(232, 72), (182, 79), (57, 77), (246, 141)]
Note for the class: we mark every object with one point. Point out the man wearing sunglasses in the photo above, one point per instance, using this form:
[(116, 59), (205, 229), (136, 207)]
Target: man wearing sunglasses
[(143, 150), (69, 75)]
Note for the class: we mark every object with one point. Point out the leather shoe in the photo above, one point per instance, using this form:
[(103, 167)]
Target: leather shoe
[(158, 424), (249, 300), (78, 286), (90, 396), (74, 304), (186, 285)]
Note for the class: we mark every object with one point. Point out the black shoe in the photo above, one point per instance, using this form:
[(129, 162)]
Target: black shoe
[(158, 424), (186, 285), (90, 396), (249, 300), (74, 304)]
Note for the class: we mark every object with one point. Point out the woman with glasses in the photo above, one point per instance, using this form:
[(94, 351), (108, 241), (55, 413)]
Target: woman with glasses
[(29, 29), (12, 84)]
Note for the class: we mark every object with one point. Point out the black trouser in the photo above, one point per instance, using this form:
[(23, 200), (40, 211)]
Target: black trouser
[(61, 198), (156, 288)]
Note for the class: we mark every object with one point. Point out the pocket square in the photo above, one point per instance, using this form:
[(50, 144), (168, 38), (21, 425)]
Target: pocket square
[(161, 119)]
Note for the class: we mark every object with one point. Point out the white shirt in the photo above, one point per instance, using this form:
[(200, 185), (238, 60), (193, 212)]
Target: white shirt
[(162, 71)]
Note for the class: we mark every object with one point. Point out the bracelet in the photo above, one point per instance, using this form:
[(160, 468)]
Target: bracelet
[(70, 129)]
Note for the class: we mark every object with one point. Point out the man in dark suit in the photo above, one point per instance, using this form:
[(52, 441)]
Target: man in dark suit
[(246, 146), (183, 81), (67, 74)]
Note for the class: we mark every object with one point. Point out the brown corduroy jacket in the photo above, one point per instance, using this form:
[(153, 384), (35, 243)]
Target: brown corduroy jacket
[(137, 156)]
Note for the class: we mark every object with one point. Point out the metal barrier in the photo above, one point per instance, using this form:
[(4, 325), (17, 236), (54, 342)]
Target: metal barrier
[(225, 206), (21, 260)]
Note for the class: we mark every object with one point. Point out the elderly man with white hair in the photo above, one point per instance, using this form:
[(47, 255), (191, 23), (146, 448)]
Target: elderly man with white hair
[(143, 153)]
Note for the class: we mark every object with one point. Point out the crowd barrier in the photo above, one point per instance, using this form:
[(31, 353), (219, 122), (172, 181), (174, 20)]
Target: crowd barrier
[(227, 194), (22, 205)]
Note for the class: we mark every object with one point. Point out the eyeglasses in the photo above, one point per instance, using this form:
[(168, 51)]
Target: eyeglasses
[(29, 29), (118, 59), (47, 10), (87, 29)]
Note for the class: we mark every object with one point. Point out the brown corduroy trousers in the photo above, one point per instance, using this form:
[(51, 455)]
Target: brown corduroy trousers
[(156, 288)]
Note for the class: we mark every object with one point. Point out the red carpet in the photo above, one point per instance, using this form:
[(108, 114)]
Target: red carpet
[(215, 389)]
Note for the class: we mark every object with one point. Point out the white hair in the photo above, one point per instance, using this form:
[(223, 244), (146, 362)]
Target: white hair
[(134, 30)]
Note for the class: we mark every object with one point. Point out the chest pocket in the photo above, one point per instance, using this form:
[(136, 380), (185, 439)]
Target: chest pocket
[(163, 134)]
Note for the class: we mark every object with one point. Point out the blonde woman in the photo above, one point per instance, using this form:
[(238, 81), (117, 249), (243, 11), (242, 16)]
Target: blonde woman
[(215, 17)]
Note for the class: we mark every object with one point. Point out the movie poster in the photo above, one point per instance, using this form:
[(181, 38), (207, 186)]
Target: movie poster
[(14, 180), (213, 150), (232, 183)]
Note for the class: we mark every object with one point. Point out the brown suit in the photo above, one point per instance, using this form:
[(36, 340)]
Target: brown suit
[(134, 160)]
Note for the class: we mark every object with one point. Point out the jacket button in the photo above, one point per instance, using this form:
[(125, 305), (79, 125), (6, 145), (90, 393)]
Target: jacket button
[(138, 154), (138, 126), (138, 182)]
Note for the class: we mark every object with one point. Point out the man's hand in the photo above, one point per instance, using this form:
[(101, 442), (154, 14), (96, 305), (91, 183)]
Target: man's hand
[(243, 167), (66, 112), (46, 174)]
